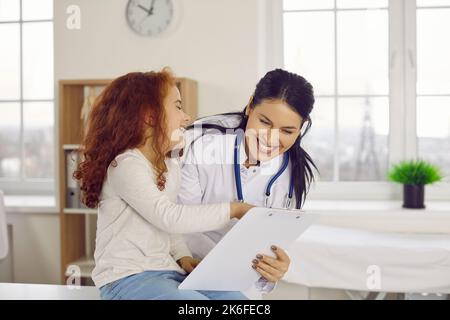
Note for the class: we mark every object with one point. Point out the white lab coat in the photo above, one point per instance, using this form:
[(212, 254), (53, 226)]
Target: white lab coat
[(208, 177)]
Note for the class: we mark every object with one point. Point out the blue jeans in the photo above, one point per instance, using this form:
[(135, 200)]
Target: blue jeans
[(160, 285)]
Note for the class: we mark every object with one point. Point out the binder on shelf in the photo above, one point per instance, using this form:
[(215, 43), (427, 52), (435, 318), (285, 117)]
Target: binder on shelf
[(72, 185), (72, 198)]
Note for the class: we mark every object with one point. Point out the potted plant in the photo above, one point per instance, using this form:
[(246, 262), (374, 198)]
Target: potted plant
[(414, 175)]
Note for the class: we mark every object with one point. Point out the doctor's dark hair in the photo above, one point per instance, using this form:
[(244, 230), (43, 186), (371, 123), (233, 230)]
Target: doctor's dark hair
[(298, 93)]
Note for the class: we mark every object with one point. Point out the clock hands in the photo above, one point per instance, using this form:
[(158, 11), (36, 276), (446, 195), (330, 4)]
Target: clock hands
[(151, 7), (149, 11), (143, 8)]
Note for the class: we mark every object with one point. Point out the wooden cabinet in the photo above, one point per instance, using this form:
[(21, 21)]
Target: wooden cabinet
[(78, 223)]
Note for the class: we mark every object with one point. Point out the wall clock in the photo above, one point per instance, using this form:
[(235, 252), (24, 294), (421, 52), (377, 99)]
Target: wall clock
[(149, 17)]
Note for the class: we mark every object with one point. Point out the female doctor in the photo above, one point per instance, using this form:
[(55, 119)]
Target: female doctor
[(253, 156)]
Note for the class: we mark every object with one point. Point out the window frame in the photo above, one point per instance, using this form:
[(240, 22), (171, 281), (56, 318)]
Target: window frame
[(23, 185), (402, 139)]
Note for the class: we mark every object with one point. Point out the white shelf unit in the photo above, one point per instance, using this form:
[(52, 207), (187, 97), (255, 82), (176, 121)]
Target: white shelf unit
[(71, 146)]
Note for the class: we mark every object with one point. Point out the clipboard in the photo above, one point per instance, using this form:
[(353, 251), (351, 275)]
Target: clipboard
[(228, 266)]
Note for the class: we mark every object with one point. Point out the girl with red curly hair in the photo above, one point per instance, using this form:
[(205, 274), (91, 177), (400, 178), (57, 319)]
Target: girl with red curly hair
[(127, 172)]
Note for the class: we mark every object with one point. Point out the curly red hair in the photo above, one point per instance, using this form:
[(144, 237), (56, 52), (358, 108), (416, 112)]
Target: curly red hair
[(116, 123)]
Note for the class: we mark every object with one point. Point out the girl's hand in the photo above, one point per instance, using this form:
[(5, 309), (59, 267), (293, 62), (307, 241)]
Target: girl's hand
[(188, 263), (239, 209), (270, 268)]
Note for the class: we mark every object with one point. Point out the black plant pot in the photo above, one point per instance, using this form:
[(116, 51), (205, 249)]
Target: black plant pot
[(413, 196)]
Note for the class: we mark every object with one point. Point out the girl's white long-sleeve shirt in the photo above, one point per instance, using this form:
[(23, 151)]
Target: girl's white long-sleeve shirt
[(139, 227)]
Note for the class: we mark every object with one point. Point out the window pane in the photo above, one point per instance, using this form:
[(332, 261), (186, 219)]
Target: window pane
[(433, 51), (307, 4), (37, 9), (430, 3), (38, 60), (363, 138), (310, 54), (10, 61), (363, 52), (362, 4), (433, 131), (9, 140), (319, 141), (38, 139), (9, 10)]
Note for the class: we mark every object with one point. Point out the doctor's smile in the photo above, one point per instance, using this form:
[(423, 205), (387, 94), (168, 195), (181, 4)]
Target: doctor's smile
[(272, 129)]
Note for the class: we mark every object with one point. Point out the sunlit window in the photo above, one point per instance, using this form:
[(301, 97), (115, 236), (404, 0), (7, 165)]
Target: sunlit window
[(342, 48), (26, 92), (433, 82)]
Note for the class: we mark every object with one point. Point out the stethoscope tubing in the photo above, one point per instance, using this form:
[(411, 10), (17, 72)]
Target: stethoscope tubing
[(237, 173)]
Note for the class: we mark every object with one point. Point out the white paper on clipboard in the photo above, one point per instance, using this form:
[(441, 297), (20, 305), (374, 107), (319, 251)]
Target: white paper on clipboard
[(228, 267)]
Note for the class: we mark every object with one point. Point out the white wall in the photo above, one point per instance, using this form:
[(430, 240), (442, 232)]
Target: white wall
[(215, 43)]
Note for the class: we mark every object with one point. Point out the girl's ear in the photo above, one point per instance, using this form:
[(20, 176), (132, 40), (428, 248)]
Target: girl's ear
[(149, 120)]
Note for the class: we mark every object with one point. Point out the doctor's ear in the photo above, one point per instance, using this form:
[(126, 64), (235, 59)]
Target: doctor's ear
[(249, 105), (303, 127)]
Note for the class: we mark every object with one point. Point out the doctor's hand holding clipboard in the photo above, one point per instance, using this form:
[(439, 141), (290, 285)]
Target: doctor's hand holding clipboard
[(272, 269), (253, 156)]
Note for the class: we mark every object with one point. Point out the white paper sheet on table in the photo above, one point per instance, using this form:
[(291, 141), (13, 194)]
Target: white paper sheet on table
[(228, 266)]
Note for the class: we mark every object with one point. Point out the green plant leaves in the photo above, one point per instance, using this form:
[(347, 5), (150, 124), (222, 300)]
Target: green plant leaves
[(415, 172)]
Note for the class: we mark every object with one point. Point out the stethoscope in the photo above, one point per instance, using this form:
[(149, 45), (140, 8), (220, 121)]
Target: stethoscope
[(237, 176)]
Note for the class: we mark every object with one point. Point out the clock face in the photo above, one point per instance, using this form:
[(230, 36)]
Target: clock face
[(149, 17)]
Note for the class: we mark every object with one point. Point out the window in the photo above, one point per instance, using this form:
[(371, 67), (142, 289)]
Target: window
[(26, 96), (382, 81), (433, 82), (342, 48)]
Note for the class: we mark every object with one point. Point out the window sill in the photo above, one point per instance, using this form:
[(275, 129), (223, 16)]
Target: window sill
[(372, 205), (47, 204), (30, 204), (383, 216)]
